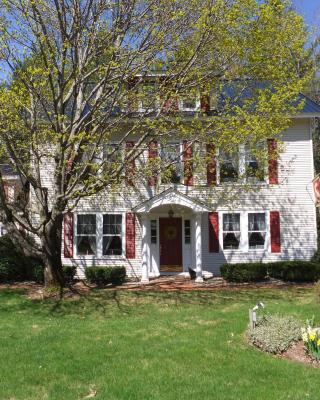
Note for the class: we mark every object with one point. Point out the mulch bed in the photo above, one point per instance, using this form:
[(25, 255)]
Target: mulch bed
[(163, 283), (297, 353)]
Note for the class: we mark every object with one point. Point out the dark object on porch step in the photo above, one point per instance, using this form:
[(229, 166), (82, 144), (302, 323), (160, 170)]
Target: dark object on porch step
[(192, 273)]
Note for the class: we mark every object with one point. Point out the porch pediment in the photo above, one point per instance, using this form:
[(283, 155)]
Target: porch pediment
[(171, 197)]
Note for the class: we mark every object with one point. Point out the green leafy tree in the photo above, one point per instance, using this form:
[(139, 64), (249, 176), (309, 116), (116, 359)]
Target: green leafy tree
[(80, 69)]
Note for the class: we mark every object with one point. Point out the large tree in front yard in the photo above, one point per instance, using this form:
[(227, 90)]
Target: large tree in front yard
[(79, 70)]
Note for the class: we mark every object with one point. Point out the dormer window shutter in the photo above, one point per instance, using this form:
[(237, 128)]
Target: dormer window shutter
[(130, 164), (213, 219), (130, 236), (188, 163), (152, 155), (211, 165), (6, 189), (68, 235), (205, 103), (273, 162), (275, 234)]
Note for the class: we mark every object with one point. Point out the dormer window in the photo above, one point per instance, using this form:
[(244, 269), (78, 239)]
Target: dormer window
[(189, 103)]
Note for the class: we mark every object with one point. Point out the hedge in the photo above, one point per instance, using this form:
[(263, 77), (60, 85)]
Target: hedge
[(295, 271), (249, 272), (106, 275), (291, 271)]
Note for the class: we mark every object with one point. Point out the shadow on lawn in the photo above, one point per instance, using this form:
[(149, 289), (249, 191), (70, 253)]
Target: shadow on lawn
[(107, 302)]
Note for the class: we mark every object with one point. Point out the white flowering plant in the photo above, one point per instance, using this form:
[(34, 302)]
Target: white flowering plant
[(311, 339)]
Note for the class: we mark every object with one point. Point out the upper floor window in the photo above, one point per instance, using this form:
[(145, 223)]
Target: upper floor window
[(256, 230), (253, 167), (229, 167), (170, 154), (231, 231), (86, 240), (148, 97)]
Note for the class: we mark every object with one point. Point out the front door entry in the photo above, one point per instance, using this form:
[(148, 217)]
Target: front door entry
[(170, 244)]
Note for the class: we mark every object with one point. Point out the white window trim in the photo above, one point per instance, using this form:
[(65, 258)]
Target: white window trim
[(196, 108), (267, 231), (181, 162), (142, 109), (241, 171), (99, 236), (244, 240)]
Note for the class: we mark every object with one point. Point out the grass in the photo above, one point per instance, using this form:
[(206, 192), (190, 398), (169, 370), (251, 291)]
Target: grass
[(148, 345)]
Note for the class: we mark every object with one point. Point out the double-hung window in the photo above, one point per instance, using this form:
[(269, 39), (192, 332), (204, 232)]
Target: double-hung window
[(86, 238), (253, 166), (112, 234), (148, 97), (256, 230), (229, 167), (171, 163), (231, 231), (112, 156)]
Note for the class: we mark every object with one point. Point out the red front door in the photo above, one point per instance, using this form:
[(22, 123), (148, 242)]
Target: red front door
[(170, 244)]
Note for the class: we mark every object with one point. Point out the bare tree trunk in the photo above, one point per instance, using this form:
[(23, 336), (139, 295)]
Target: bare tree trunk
[(51, 245)]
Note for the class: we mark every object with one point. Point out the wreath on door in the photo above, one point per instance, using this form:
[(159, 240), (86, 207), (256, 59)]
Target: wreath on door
[(170, 232)]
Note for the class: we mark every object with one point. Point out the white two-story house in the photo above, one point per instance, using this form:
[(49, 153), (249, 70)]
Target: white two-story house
[(167, 228)]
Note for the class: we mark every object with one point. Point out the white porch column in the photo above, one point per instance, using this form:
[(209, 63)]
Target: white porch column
[(198, 248), (144, 250)]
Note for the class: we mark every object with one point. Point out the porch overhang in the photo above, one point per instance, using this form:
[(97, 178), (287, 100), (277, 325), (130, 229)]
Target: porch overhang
[(170, 196)]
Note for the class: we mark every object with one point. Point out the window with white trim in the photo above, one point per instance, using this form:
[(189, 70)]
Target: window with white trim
[(170, 154), (86, 235), (148, 96), (112, 235), (228, 167), (231, 231), (257, 230), (253, 169)]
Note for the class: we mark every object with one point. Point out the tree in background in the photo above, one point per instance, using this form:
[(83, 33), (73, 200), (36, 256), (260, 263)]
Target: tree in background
[(80, 75)]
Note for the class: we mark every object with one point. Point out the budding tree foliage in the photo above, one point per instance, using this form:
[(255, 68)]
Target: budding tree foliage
[(79, 73)]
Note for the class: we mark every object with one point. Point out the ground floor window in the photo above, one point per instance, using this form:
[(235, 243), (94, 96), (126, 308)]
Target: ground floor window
[(86, 238), (256, 230), (112, 234), (231, 231), (99, 234)]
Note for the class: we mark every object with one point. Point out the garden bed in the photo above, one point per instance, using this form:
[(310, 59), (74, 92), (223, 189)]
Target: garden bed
[(298, 353)]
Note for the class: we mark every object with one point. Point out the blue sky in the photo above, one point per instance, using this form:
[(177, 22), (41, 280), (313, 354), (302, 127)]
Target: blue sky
[(310, 9)]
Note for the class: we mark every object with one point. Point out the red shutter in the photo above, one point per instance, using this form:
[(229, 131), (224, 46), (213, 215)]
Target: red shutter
[(130, 164), (188, 164), (153, 153), (275, 232), (171, 104), (68, 235), (6, 189), (213, 232), (205, 103), (130, 235), (273, 162), (211, 165)]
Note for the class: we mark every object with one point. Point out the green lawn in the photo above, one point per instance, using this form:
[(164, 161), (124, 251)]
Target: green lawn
[(148, 345)]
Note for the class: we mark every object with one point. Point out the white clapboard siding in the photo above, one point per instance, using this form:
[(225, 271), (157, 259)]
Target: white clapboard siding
[(292, 198)]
